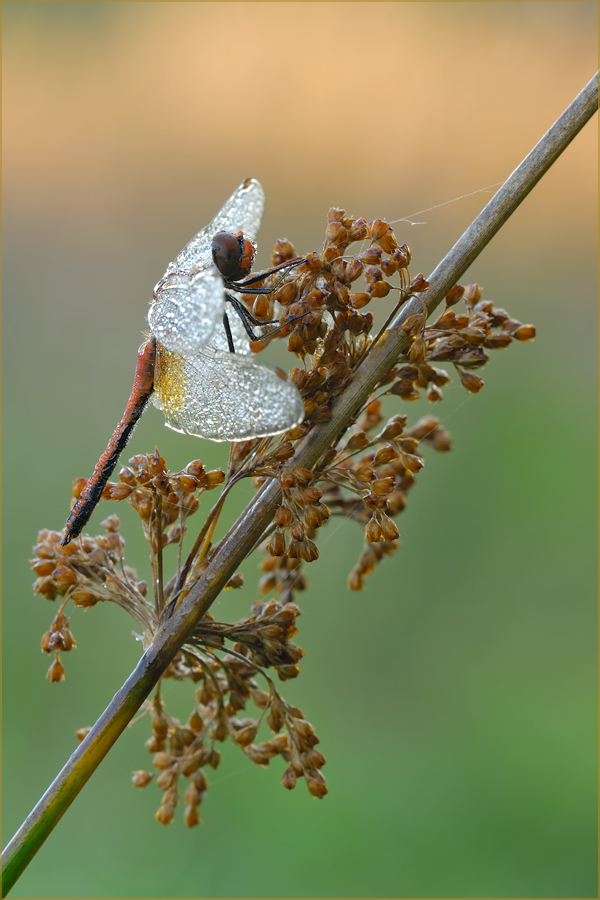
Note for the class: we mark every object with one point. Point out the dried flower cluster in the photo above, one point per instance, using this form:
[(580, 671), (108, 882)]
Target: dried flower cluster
[(225, 686), (364, 476)]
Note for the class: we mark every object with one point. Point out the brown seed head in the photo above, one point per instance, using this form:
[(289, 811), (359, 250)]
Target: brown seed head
[(140, 778), (473, 383), (191, 817), (165, 814), (56, 672), (315, 783), (525, 333)]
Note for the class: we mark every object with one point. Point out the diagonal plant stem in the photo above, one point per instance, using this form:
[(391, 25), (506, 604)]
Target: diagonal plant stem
[(245, 533)]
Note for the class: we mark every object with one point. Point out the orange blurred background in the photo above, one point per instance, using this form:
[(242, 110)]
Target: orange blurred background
[(460, 735)]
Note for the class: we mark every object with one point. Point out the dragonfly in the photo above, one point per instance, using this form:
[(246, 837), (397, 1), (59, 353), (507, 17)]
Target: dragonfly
[(197, 366)]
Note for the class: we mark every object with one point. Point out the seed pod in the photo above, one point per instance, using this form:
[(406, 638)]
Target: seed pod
[(373, 533), (412, 462), (289, 779), (308, 550), (43, 566), (315, 783), (140, 778), (382, 485), (323, 510), (195, 469), (198, 778), (357, 441), (166, 779), (245, 736), (474, 335), (387, 241), (314, 759), (191, 817), (190, 765), (165, 814), (195, 721), (214, 759), (473, 383), (472, 294), (63, 577), (59, 622), (454, 295), (358, 230), (303, 476), (511, 325), (311, 495), (285, 296), (336, 233), (284, 452), (56, 672), (385, 455), (371, 257), (417, 350), (276, 545), (214, 478), (364, 474), (313, 517), (68, 641), (286, 480), (192, 796), (403, 256), (48, 642), (354, 270), (275, 719), (219, 730), (525, 333), (389, 529), (283, 517), (393, 428), (295, 550), (379, 289), (261, 698), (375, 501), (282, 251), (360, 299), (297, 531)]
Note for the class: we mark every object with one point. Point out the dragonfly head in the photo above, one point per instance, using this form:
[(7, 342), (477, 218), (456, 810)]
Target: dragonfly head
[(233, 254)]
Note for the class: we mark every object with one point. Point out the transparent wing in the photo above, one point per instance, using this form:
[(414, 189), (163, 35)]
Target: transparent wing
[(188, 311), (224, 396), (242, 212)]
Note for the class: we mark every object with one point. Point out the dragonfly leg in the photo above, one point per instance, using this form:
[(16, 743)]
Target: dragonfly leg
[(228, 334), (243, 286), (248, 319), (244, 313)]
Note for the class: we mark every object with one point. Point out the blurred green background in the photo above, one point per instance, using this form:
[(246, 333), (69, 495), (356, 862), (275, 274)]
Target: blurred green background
[(455, 697)]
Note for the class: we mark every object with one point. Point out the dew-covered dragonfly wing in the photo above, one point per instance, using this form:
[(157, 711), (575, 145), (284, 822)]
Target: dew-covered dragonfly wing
[(242, 212), (188, 310), (223, 396)]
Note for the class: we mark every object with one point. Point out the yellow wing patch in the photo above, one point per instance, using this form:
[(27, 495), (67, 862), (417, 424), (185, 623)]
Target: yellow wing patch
[(170, 382)]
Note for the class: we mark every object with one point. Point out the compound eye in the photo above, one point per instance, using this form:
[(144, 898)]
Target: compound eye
[(227, 254)]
